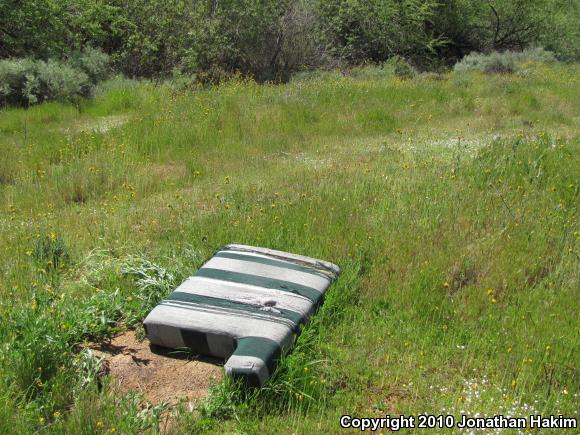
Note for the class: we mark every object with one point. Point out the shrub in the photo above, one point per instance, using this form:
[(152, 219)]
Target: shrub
[(396, 66), (50, 252), (59, 81), (561, 33), (17, 79), (488, 63), (317, 75), (376, 30), (52, 28), (180, 81), (151, 36), (506, 62), (152, 281), (500, 25), (94, 63), (27, 81), (399, 67), (275, 40)]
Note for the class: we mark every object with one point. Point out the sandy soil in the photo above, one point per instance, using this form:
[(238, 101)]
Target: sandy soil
[(161, 375)]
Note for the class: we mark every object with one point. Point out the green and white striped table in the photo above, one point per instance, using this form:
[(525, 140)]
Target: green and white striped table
[(245, 305)]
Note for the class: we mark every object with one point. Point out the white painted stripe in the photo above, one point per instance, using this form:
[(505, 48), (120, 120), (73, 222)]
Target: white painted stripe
[(164, 335), (246, 294), (284, 261), (265, 270), (178, 318), (274, 253), (235, 287), (194, 308)]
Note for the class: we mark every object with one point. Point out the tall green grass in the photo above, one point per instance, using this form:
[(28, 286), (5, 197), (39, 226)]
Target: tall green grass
[(449, 201)]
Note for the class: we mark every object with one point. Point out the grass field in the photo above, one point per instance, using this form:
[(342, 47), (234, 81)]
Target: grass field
[(449, 201)]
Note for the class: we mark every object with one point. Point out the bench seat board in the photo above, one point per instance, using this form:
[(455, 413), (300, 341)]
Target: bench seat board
[(245, 304)]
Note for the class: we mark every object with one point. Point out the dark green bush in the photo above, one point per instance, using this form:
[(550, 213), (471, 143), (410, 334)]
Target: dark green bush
[(267, 40), (484, 26), (270, 40), (376, 30), (501, 25), (150, 36), (44, 29), (561, 33)]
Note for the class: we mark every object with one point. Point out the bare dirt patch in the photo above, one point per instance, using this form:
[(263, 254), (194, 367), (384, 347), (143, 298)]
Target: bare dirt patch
[(159, 374), (99, 125), (167, 171)]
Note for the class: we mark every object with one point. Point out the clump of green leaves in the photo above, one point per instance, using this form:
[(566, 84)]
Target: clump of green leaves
[(377, 30), (44, 360), (50, 252), (152, 281)]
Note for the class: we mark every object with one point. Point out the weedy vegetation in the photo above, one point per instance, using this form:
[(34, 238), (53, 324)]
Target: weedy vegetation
[(450, 201)]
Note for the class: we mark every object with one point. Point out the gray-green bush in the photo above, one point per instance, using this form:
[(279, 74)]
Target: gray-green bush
[(17, 79), (25, 81), (506, 62), (94, 63)]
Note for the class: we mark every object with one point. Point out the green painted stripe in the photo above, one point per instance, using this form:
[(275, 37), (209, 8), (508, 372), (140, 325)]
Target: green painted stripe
[(272, 262), (260, 281), (293, 316), (267, 350)]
